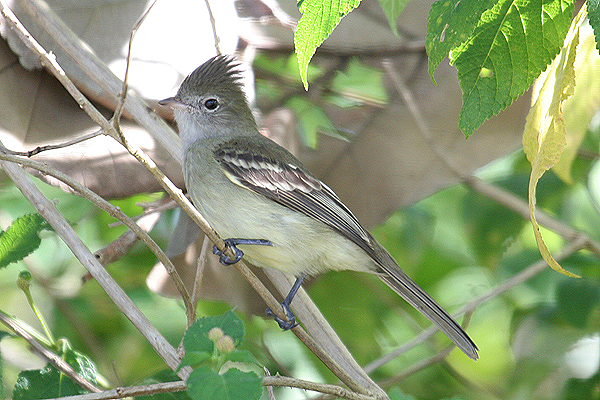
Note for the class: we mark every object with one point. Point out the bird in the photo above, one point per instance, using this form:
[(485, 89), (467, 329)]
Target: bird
[(270, 208)]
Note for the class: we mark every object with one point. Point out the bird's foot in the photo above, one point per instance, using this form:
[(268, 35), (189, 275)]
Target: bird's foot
[(283, 324), (291, 318), (232, 243)]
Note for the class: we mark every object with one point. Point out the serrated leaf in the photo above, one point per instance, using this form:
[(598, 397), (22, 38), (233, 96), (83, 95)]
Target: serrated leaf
[(450, 23), (21, 238), (579, 109), (544, 135), (196, 337), (361, 83), (205, 384), (514, 41), (593, 9), (392, 10), (319, 18)]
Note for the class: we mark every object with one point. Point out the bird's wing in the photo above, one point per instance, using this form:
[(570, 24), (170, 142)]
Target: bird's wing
[(281, 178), (276, 174)]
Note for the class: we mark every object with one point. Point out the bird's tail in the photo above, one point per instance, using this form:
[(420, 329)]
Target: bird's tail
[(402, 284)]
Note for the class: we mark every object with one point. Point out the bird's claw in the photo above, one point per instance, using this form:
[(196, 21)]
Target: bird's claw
[(232, 243), (291, 318)]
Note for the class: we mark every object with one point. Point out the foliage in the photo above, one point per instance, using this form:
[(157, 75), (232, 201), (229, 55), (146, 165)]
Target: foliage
[(49, 382), (21, 238), (457, 244), (213, 341)]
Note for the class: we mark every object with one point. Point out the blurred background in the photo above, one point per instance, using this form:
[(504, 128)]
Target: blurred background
[(435, 200)]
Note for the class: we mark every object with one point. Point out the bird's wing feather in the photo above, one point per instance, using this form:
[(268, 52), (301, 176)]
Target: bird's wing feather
[(280, 178), (292, 186)]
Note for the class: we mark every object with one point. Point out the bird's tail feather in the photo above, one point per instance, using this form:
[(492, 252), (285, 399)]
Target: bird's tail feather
[(404, 286)]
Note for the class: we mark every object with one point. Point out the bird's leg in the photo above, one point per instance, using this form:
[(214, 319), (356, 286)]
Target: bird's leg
[(291, 322), (232, 243)]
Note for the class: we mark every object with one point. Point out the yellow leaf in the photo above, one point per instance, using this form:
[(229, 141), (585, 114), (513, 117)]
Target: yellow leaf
[(544, 138), (580, 108)]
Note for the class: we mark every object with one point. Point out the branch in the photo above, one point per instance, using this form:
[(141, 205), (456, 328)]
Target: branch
[(49, 356), (131, 391), (508, 284), (334, 390), (355, 379)]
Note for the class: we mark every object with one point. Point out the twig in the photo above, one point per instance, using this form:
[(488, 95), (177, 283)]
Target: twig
[(508, 284), (123, 95), (338, 391), (131, 391), (421, 365), (213, 24), (40, 149), (96, 71), (66, 39), (48, 211), (52, 358), (99, 202), (200, 266), (50, 63)]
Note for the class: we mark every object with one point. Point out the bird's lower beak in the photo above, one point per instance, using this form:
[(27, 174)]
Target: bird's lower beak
[(173, 102)]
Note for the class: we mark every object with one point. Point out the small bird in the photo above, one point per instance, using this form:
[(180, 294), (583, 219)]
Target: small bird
[(272, 209)]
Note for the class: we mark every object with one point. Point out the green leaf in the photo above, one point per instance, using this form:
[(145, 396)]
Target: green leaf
[(451, 23), (82, 364), (21, 238), (593, 8), (514, 41), (194, 358), (205, 384), (319, 18), (361, 83), (392, 10), (196, 337), (49, 382), (312, 120), (242, 356)]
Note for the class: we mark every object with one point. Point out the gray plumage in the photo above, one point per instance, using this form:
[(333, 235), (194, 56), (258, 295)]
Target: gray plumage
[(247, 186)]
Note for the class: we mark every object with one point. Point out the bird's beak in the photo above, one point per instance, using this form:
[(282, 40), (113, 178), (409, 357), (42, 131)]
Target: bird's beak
[(173, 102)]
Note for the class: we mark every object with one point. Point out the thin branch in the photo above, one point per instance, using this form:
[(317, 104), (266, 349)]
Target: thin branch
[(40, 149), (72, 46), (200, 266), (131, 391), (96, 71), (100, 203), (338, 391), (49, 61), (49, 356), (419, 366), (500, 195), (213, 24), (121, 103), (528, 273), (63, 229)]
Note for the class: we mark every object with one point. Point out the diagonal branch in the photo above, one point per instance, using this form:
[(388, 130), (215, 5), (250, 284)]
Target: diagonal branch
[(355, 378)]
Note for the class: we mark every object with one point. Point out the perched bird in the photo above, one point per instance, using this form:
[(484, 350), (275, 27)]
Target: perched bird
[(271, 209)]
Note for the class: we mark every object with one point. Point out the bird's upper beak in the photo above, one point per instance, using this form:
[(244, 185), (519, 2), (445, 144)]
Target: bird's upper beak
[(173, 102)]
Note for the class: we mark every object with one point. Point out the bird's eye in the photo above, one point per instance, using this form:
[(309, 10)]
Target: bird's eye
[(211, 104)]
